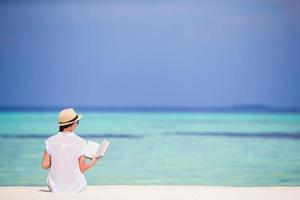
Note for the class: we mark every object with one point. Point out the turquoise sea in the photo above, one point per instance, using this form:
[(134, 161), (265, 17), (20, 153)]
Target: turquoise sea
[(176, 148)]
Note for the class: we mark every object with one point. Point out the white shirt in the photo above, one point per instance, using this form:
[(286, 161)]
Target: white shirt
[(65, 150)]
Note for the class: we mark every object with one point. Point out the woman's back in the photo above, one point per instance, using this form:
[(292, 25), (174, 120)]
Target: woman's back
[(65, 149)]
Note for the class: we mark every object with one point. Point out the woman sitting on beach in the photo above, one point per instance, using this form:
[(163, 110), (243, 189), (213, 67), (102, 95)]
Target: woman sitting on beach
[(64, 156)]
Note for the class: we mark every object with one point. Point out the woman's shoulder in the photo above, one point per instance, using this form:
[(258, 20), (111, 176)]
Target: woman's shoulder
[(52, 137), (80, 139)]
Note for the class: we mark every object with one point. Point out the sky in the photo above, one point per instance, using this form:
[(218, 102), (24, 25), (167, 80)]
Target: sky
[(166, 53)]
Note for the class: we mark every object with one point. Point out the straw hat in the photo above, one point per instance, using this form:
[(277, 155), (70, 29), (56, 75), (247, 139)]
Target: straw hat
[(68, 116)]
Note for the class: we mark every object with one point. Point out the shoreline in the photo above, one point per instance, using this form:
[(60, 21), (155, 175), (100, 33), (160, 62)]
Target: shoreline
[(150, 192)]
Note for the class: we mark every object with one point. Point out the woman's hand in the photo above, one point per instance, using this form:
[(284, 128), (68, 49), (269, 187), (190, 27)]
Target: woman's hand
[(87, 165), (95, 159)]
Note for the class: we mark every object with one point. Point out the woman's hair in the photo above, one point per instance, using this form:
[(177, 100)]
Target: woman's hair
[(61, 128)]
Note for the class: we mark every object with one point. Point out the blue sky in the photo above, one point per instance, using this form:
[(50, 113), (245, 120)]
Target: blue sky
[(150, 53)]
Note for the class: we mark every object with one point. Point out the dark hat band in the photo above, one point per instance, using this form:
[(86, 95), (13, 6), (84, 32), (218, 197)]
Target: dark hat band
[(69, 120)]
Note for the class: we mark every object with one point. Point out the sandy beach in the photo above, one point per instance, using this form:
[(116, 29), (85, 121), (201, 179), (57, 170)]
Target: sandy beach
[(150, 192)]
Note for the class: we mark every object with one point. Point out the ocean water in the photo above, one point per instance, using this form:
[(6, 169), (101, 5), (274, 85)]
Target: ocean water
[(175, 148)]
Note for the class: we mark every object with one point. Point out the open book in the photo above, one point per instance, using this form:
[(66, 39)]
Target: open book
[(95, 149)]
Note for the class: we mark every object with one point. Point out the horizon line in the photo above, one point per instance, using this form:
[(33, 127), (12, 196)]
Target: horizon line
[(234, 108)]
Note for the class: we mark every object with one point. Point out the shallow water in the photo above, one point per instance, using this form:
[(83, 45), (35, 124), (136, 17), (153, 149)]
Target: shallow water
[(236, 149)]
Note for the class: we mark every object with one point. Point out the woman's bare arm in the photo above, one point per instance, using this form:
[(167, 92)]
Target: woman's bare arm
[(84, 165), (46, 163)]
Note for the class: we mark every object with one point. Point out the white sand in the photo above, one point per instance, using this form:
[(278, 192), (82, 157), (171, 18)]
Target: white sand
[(156, 192)]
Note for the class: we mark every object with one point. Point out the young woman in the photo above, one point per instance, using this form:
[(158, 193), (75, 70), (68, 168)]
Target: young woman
[(64, 156)]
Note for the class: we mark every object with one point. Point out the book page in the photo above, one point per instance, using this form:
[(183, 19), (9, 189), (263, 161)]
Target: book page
[(91, 149), (103, 148)]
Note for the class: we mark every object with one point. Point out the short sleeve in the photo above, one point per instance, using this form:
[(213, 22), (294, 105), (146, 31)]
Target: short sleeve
[(47, 147)]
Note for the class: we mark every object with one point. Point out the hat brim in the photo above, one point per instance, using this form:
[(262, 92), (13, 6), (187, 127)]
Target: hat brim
[(67, 123)]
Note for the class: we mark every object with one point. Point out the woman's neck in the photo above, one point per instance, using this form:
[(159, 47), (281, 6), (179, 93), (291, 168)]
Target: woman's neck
[(67, 130)]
